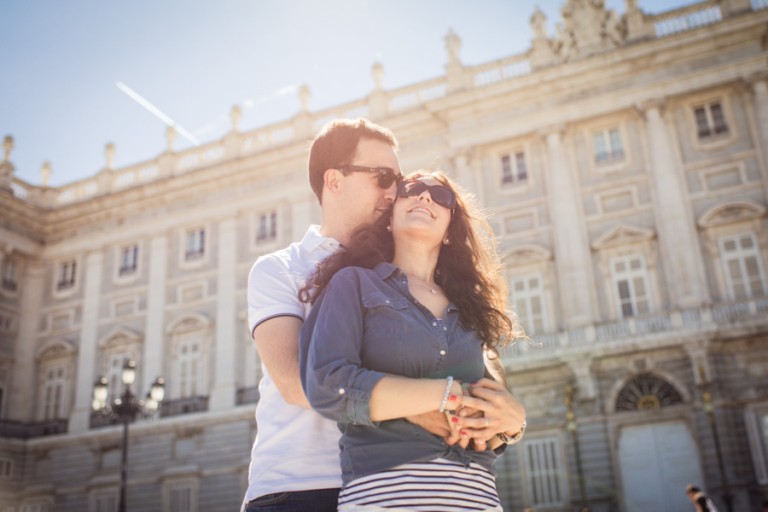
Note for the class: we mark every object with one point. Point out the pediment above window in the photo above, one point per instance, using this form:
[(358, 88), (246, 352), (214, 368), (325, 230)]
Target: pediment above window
[(55, 348), (189, 322), (731, 212), (119, 336), (526, 254), (623, 235)]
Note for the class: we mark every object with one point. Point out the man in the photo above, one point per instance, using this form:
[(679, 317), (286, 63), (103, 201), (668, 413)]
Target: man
[(700, 500), (353, 171)]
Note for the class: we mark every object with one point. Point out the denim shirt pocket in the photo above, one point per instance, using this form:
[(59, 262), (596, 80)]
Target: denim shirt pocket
[(385, 314)]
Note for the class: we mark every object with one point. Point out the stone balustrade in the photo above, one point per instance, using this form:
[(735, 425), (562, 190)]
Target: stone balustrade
[(686, 18), (663, 325)]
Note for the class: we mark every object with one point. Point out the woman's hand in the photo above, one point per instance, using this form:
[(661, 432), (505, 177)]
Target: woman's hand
[(501, 412)]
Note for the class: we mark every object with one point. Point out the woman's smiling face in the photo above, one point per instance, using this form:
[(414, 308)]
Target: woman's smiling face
[(416, 211)]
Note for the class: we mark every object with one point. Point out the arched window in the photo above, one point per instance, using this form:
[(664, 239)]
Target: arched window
[(647, 391)]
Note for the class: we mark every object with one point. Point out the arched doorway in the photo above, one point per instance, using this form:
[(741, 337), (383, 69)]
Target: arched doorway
[(658, 459)]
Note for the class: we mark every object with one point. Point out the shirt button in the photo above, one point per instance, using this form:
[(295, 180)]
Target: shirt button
[(434, 324), (387, 301), (442, 352), (445, 328), (341, 391)]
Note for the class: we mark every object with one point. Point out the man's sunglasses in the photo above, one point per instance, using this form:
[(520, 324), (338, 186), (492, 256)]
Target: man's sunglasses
[(384, 175), (440, 194)]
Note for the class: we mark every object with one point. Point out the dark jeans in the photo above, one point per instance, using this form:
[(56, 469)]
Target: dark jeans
[(317, 500)]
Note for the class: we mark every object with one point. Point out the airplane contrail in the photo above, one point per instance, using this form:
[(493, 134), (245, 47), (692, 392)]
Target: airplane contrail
[(138, 98)]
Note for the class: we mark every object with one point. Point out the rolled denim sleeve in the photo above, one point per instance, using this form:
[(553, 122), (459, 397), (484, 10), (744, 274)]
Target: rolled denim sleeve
[(330, 349)]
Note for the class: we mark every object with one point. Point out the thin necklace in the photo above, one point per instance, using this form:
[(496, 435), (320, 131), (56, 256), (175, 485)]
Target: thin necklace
[(423, 284)]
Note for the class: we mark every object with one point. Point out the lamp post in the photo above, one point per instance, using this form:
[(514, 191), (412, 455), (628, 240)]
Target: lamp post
[(125, 409), (709, 408), (571, 427)]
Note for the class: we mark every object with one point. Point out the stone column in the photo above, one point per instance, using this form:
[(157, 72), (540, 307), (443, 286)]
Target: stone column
[(154, 330), (23, 385), (757, 110), (86, 350), (678, 241), (223, 390), (572, 254)]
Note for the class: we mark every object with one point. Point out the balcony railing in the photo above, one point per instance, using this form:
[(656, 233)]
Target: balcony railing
[(247, 395), (183, 406), (27, 430), (628, 330)]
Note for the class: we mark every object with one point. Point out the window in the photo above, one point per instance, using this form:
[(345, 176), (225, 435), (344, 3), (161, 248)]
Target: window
[(9, 275), (6, 468), (267, 228), (115, 374), (757, 430), (129, 259), (53, 392), (742, 263), (180, 496), (67, 275), (181, 499), (544, 470), (195, 247), (630, 280), (5, 323), (710, 120), (104, 501), (189, 366), (36, 506), (608, 146), (513, 168), (527, 299)]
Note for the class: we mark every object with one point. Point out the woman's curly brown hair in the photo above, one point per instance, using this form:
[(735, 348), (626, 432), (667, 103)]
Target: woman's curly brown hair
[(468, 268)]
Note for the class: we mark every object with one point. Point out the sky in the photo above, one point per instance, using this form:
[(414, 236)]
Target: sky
[(60, 63)]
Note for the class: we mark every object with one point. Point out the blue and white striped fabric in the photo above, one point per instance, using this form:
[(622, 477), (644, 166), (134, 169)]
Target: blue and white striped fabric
[(439, 485)]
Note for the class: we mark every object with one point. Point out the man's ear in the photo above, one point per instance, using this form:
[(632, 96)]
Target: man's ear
[(332, 181)]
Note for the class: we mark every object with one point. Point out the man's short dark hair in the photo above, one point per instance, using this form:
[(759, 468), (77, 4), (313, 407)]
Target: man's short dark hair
[(336, 145), (692, 489)]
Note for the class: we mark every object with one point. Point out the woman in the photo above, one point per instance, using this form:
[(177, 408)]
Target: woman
[(401, 318)]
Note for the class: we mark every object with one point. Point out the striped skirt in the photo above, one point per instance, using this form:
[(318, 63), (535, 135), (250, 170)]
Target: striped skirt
[(439, 485)]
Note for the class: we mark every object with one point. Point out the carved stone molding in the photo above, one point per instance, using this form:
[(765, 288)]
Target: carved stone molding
[(731, 212), (623, 235)]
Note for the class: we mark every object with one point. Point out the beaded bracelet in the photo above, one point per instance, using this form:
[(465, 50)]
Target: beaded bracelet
[(449, 383)]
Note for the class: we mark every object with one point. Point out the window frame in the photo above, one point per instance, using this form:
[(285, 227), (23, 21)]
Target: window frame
[(560, 470), (711, 143), (614, 157), (73, 282), (204, 255), (269, 242), (616, 279), (724, 260), (124, 274)]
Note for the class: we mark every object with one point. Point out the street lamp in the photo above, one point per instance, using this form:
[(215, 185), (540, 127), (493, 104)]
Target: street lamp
[(125, 409), (572, 428), (709, 408)]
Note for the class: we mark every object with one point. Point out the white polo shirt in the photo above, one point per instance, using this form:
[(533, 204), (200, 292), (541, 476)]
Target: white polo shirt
[(296, 449)]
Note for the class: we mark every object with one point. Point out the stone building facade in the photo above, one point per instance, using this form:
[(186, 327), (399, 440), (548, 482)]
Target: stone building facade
[(623, 162)]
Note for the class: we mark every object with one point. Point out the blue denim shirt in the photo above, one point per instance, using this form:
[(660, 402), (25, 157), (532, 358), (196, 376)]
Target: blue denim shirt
[(366, 324)]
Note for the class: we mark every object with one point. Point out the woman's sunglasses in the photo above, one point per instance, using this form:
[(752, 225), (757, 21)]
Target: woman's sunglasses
[(384, 175), (440, 194)]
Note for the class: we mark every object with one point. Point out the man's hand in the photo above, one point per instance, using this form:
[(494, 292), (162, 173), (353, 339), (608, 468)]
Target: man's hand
[(433, 422)]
